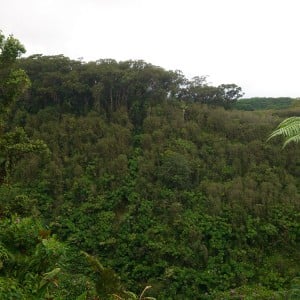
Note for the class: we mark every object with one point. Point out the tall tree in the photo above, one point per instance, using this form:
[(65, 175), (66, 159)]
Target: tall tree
[(230, 93), (13, 81)]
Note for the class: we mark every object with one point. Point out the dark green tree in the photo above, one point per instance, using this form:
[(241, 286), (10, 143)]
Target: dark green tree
[(13, 81), (230, 94)]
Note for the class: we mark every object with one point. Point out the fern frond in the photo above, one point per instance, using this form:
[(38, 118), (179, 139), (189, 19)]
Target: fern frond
[(289, 129), (295, 138)]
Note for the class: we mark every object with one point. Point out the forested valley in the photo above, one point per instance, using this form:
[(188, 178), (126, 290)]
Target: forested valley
[(122, 180)]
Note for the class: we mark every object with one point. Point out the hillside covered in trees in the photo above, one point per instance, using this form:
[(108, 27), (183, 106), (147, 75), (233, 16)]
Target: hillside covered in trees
[(262, 103), (117, 176)]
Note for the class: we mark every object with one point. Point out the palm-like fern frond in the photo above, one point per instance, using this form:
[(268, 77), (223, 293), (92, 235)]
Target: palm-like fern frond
[(289, 129)]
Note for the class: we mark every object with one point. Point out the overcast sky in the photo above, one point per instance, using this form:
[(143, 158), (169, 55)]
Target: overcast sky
[(253, 43)]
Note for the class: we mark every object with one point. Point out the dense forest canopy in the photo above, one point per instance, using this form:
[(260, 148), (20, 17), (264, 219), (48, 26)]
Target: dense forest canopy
[(107, 85), (262, 103), (117, 176)]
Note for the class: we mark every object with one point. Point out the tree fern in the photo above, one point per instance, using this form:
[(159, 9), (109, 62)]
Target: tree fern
[(289, 129)]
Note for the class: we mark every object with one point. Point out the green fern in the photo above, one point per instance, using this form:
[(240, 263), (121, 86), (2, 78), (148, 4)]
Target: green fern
[(289, 129)]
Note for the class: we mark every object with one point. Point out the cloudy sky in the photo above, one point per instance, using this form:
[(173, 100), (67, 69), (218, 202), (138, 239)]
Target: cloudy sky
[(253, 43)]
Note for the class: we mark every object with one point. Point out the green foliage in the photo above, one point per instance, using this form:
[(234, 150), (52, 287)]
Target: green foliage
[(10, 289), (149, 172), (199, 91), (175, 171), (259, 103), (191, 207), (10, 49), (108, 284), (257, 292), (13, 81), (289, 129), (294, 291), (15, 145), (29, 259)]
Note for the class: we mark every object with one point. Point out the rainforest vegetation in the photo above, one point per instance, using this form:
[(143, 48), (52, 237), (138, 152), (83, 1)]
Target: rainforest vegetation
[(118, 176), (262, 103)]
